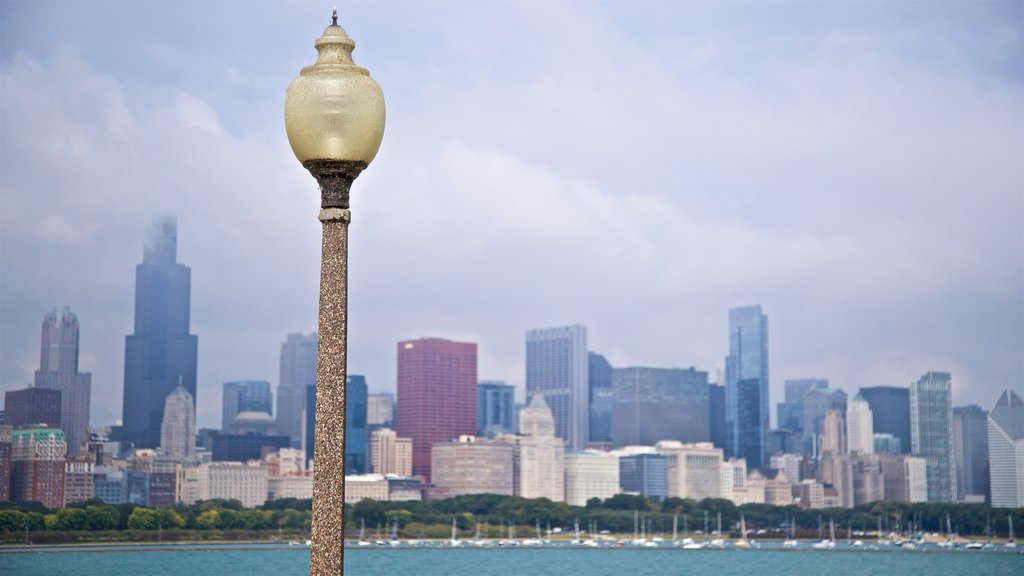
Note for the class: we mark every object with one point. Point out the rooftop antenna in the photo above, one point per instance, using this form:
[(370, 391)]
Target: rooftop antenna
[(334, 16)]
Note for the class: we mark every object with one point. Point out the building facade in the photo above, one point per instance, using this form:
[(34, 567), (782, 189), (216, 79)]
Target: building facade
[(817, 402), (297, 375), (747, 385), (38, 466), (970, 450), (890, 412), (540, 455), (390, 454), (380, 409), (58, 370), (245, 396), (590, 474), (495, 408), (178, 430), (602, 398), (694, 469), (654, 404), (931, 432), (161, 354), (557, 367), (645, 475), (860, 435), (1006, 451), (33, 407), (437, 395), (469, 466)]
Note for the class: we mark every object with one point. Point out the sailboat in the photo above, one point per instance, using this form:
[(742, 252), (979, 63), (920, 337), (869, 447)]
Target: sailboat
[(790, 541), (689, 543), (948, 542), (362, 533), (742, 542), (1012, 541), (831, 542), (718, 542), (477, 540), (536, 541), (394, 535), (455, 538)]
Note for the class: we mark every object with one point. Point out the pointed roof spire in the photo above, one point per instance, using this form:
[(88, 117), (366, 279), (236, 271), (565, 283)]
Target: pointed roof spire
[(334, 16)]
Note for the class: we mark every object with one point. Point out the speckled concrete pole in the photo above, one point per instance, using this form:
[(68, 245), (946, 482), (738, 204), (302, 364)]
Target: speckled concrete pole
[(328, 541)]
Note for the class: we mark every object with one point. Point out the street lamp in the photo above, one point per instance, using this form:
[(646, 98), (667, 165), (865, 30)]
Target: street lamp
[(334, 116)]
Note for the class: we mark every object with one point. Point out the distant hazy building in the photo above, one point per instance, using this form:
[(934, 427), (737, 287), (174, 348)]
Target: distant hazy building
[(783, 441), (58, 370), (645, 475), (931, 432), (817, 402), (747, 385), (859, 430), (260, 423), (602, 397), (905, 477), (654, 404), (790, 463), (390, 454), (694, 469), (590, 474), (887, 444), (297, 373), (161, 354), (388, 488), (6, 455), (1006, 451), (245, 396), (37, 466), (970, 451), (495, 408), (540, 455), (437, 395), (791, 411), (248, 483), (890, 412), (178, 430), (380, 409), (356, 441), (716, 415), (866, 476), (240, 447), (33, 407), (298, 487), (468, 466), (557, 368)]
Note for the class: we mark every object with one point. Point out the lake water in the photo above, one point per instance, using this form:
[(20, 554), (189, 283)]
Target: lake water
[(271, 560)]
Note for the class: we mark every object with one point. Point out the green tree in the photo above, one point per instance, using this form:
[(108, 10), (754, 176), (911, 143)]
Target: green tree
[(208, 520), (142, 519), (12, 520)]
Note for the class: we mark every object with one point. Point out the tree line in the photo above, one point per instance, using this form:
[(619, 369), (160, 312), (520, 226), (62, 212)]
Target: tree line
[(493, 514)]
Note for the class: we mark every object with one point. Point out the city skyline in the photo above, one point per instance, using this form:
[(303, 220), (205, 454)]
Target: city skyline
[(840, 153)]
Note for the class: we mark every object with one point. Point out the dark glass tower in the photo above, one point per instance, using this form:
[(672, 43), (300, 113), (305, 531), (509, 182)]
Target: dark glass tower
[(602, 397), (356, 447), (746, 391), (890, 412), (160, 354), (495, 407)]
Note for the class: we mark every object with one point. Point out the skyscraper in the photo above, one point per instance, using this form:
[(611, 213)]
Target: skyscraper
[(245, 396), (716, 415), (161, 354), (380, 409), (297, 373), (32, 408), (557, 368), (746, 393), (495, 407), (356, 444), (436, 395), (602, 397), (178, 430), (791, 411), (890, 412), (540, 456), (58, 370), (37, 466), (931, 432), (1006, 451), (970, 450), (860, 435), (654, 404), (817, 402)]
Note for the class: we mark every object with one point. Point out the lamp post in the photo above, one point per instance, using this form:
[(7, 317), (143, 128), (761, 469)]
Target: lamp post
[(334, 116)]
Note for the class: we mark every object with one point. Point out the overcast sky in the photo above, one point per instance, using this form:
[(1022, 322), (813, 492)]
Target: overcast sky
[(855, 168)]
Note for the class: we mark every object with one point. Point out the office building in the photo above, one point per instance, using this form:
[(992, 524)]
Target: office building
[(468, 466), (860, 435), (644, 475), (590, 474), (495, 408), (245, 396), (694, 469), (817, 402), (790, 463), (245, 482), (178, 430), (390, 454), (1006, 451), (539, 456), (905, 477), (380, 409), (161, 354), (6, 463), (791, 411), (887, 444), (931, 432), (782, 441), (33, 408), (716, 415), (37, 466), (602, 398), (356, 440), (654, 404), (297, 375), (240, 447), (437, 395), (970, 452), (890, 412), (747, 385), (382, 488), (58, 370), (557, 368)]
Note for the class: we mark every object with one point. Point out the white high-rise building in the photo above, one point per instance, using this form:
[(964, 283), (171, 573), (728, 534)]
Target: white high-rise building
[(1006, 451), (178, 429), (590, 474), (248, 483), (557, 368), (694, 470), (859, 430), (931, 432), (540, 456), (390, 454), (790, 463)]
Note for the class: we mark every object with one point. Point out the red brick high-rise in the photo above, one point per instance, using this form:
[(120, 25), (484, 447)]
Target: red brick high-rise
[(436, 395)]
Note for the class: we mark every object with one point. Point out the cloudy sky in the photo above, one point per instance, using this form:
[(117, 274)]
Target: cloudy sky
[(639, 168)]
